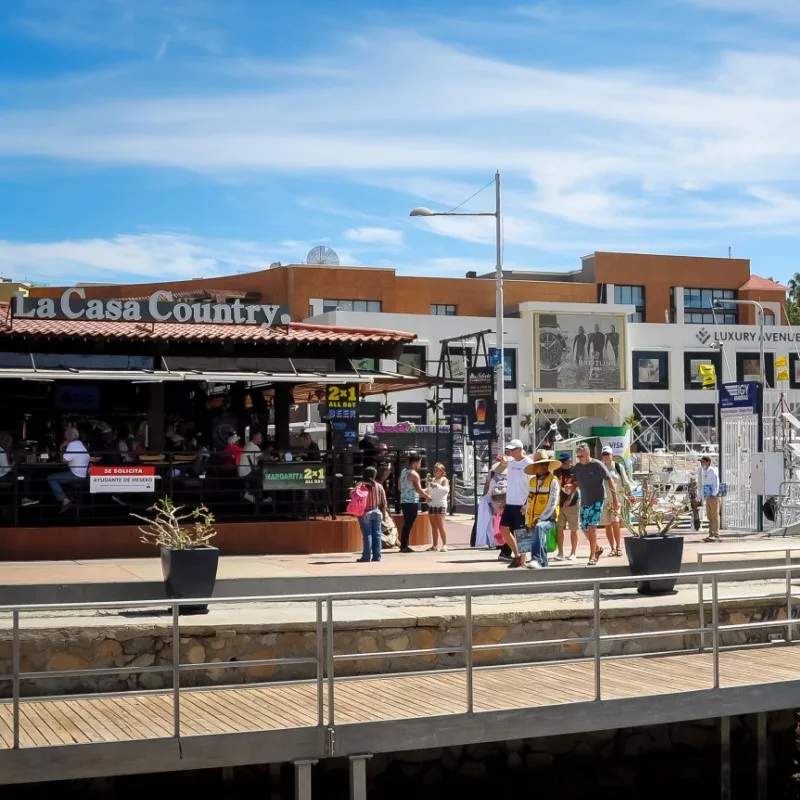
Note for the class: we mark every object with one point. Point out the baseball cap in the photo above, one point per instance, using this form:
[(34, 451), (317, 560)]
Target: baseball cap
[(514, 444), (562, 457), (608, 450)]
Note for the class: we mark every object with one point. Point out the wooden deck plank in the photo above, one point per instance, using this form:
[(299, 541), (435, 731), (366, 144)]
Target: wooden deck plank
[(122, 717), (6, 725)]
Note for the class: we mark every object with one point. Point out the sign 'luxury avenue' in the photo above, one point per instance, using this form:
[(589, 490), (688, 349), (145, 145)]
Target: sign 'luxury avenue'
[(159, 307)]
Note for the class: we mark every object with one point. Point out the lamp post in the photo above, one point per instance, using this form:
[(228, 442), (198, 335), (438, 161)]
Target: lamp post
[(500, 369), (762, 366)]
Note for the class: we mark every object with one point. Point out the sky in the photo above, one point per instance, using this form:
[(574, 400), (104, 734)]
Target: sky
[(169, 139)]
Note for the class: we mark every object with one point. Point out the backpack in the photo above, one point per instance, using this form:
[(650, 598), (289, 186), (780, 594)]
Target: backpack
[(358, 501)]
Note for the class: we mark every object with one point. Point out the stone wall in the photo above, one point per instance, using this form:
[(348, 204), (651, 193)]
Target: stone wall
[(127, 645)]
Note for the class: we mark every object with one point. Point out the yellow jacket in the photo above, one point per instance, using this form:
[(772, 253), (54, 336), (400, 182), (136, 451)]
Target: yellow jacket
[(542, 499)]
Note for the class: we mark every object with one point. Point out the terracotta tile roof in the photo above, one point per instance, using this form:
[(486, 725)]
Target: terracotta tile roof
[(299, 332), (756, 282)]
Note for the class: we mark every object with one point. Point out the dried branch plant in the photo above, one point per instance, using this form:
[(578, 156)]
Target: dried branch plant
[(653, 510), (166, 527)]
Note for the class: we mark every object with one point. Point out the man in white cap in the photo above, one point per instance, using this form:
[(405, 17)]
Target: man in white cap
[(516, 497)]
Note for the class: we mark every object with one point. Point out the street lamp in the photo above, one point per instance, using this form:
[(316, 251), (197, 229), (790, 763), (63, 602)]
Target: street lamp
[(500, 370), (762, 367)]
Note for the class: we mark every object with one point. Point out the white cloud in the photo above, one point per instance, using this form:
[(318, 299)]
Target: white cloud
[(379, 236), (146, 256), (787, 10), (608, 150)]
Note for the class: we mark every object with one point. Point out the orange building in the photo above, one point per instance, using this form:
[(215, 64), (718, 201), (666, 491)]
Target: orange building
[(663, 287)]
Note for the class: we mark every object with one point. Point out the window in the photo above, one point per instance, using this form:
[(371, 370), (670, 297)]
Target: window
[(653, 431), (631, 296), (509, 368), (412, 412), (412, 361), (692, 379), (748, 367), (650, 369), (699, 306), (769, 317), (350, 305), (701, 419), (457, 360), (369, 412), (439, 310)]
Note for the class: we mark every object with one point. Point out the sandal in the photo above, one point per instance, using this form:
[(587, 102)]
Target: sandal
[(596, 557), (515, 562)]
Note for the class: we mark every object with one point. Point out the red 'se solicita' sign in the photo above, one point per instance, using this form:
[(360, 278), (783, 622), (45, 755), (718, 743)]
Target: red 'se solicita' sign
[(118, 480)]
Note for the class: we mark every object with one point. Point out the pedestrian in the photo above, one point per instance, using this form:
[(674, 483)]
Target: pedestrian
[(411, 492), (370, 520), (439, 490), (593, 480), (610, 519), (711, 498), (568, 508), (516, 497), (488, 506), (542, 506)]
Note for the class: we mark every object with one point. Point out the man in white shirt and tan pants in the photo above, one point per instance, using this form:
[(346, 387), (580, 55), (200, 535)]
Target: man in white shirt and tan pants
[(711, 498)]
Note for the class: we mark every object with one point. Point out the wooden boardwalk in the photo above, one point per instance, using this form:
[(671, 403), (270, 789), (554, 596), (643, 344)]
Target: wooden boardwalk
[(58, 722)]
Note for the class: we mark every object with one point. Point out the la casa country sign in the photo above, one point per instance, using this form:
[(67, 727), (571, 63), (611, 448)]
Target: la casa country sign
[(159, 307)]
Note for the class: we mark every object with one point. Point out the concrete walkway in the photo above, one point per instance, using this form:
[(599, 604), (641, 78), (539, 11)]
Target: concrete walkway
[(460, 560)]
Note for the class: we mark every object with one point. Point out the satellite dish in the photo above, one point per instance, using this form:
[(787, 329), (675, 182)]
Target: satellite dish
[(322, 255)]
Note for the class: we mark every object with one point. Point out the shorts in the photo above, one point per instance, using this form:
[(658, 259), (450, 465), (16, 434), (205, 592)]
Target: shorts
[(512, 518), (591, 514), (437, 511), (568, 517), (609, 515)]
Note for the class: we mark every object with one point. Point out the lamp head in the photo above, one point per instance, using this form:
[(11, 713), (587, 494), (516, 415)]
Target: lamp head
[(422, 212)]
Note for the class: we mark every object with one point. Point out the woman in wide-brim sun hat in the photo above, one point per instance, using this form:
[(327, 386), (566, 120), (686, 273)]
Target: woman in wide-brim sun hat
[(541, 457)]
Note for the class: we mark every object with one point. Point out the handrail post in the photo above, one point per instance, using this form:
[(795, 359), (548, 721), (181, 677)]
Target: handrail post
[(15, 660), (597, 691), (468, 654), (789, 626), (176, 671), (330, 661), (320, 667), (715, 627), (701, 614)]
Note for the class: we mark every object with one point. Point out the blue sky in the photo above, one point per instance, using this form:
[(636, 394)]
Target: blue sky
[(147, 139)]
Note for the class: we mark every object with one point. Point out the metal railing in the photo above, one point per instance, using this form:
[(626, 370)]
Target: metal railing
[(325, 658), (268, 492), (786, 552)]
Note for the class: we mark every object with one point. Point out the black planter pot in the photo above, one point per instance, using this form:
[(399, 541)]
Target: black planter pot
[(654, 555), (190, 573)]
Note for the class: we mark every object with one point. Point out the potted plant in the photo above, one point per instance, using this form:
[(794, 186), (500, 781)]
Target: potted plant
[(632, 422), (651, 551), (188, 562)]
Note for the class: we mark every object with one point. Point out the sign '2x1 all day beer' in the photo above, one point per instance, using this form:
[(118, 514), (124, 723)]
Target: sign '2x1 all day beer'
[(480, 403)]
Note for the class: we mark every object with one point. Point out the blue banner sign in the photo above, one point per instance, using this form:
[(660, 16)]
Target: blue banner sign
[(739, 399)]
